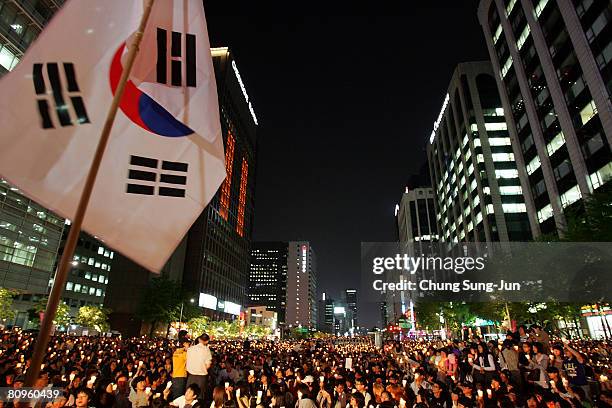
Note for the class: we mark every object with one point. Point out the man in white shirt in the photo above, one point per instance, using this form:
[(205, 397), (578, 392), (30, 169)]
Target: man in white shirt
[(199, 359), (189, 400)]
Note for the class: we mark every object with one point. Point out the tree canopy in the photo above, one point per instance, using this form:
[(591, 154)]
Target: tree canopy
[(95, 317), (6, 304), (163, 300), (62, 316)]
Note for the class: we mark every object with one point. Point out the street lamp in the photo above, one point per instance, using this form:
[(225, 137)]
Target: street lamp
[(181, 316)]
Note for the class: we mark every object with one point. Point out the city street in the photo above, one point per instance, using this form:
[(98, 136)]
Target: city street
[(224, 204)]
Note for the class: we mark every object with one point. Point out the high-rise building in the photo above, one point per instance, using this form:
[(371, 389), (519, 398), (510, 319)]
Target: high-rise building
[(218, 251), (261, 316), (39, 232), (89, 273), (20, 23), (268, 277), (383, 315), (553, 65), (416, 220), (301, 285), (416, 216), (479, 197), (213, 261), (343, 319), (217, 263), (350, 296), (326, 313), (30, 237)]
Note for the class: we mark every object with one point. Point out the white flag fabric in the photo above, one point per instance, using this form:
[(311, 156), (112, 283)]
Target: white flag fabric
[(164, 161)]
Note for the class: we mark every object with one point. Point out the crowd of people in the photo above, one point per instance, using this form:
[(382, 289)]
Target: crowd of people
[(525, 369)]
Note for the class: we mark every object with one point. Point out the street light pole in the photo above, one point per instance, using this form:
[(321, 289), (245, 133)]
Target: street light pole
[(181, 316)]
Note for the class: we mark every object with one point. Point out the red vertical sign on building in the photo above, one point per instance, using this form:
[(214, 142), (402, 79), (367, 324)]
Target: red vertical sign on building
[(242, 200), (227, 184)]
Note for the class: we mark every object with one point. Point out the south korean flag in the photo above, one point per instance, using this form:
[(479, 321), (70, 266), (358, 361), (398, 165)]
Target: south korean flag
[(164, 161)]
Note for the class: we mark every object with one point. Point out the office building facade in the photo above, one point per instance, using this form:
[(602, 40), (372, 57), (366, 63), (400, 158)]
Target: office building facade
[(343, 319), (326, 313), (350, 297), (479, 196), (383, 315), (261, 316), (212, 263), (30, 237), (416, 222), (301, 285), (268, 277), (217, 263), (218, 253), (553, 66), (89, 272), (416, 216), (21, 21)]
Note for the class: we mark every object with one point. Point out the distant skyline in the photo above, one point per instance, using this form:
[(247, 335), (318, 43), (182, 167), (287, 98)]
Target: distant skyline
[(345, 101)]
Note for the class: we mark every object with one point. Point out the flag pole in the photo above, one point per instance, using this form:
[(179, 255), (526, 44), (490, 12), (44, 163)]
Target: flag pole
[(40, 347)]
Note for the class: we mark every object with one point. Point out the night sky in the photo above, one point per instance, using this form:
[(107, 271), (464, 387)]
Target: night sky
[(346, 99)]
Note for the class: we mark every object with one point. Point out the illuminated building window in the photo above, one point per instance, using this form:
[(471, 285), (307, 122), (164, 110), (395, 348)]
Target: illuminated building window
[(242, 200), (588, 112), (533, 165), (555, 143), (545, 213), (7, 58), (523, 37), (227, 183), (570, 196), (509, 7), (499, 141), (506, 67), (540, 7), (514, 208), (502, 157), (496, 126), (601, 176), (510, 190), (497, 34), (506, 173)]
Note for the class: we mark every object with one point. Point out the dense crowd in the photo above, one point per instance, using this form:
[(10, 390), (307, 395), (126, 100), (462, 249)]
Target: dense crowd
[(526, 369)]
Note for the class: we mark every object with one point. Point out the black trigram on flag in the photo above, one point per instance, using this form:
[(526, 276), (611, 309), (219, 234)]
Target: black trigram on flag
[(147, 173), (63, 96), (176, 55)]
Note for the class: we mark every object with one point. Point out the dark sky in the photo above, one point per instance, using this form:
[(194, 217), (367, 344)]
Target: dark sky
[(346, 98)]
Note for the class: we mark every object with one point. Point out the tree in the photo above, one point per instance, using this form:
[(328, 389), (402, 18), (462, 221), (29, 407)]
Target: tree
[(162, 302), (299, 333), (593, 222), (428, 315), (256, 330), (62, 316), (6, 304), (198, 325), (95, 317), (224, 329), (321, 335)]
